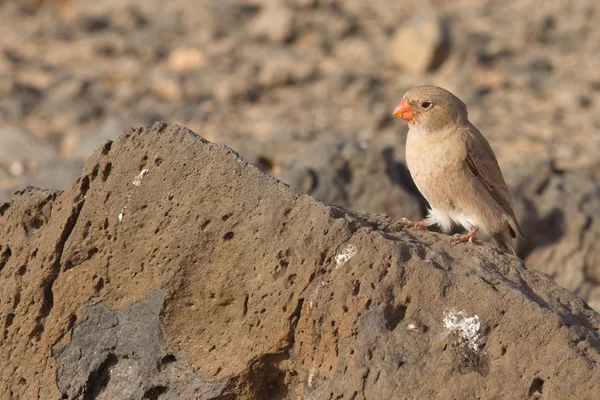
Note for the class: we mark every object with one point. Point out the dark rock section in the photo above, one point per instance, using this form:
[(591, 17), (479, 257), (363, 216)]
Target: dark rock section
[(174, 269), (117, 355), (89, 366), (561, 214)]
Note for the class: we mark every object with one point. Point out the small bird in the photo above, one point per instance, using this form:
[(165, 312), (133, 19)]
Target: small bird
[(455, 168)]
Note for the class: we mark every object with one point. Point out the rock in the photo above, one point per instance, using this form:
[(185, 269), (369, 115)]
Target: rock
[(26, 98), (285, 69), (354, 51), (274, 22), (350, 174), (182, 59), (16, 168), (563, 231), (422, 45), (233, 89), (167, 87), (173, 269)]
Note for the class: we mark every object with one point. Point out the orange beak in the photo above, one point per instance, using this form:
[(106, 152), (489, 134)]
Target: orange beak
[(404, 111)]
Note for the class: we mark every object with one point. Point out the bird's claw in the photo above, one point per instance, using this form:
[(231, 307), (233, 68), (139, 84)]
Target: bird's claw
[(469, 237), (412, 224), (458, 238)]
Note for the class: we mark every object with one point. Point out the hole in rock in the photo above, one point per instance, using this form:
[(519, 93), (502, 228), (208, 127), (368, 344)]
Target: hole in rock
[(536, 387)]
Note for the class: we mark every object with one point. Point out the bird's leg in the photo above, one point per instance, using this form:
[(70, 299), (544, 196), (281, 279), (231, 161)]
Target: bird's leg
[(469, 237), (412, 224)]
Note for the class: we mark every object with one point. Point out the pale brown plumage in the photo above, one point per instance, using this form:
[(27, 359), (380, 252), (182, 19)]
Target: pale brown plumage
[(455, 168)]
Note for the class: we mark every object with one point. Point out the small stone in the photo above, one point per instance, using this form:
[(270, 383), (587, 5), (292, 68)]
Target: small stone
[(275, 22), (285, 70), (184, 59), (38, 79), (421, 46), (167, 87), (230, 89), (16, 168), (354, 51)]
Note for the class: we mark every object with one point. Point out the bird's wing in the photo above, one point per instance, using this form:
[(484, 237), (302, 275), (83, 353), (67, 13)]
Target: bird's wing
[(481, 162)]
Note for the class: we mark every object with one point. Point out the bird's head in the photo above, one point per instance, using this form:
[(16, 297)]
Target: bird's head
[(431, 108)]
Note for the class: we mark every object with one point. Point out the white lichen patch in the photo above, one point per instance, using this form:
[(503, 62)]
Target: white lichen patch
[(344, 256), (137, 181), (467, 328)]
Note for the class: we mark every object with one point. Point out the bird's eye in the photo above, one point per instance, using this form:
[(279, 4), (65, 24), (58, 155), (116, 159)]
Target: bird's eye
[(426, 104)]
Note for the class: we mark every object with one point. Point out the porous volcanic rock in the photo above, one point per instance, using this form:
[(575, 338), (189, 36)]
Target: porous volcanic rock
[(173, 269)]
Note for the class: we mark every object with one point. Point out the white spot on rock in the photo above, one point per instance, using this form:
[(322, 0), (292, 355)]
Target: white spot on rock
[(415, 325), (466, 327), (311, 378), (137, 181), (340, 259), (344, 256), (122, 213)]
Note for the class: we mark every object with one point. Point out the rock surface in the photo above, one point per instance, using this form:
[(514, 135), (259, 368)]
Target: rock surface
[(311, 72), (173, 269), (562, 228)]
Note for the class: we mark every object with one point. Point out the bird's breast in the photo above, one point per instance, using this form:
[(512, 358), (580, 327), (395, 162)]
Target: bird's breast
[(426, 156), (437, 168)]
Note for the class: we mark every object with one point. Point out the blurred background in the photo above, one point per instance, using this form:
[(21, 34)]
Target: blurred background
[(305, 89)]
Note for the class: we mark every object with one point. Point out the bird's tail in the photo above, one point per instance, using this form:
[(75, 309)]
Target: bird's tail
[(505, 241)]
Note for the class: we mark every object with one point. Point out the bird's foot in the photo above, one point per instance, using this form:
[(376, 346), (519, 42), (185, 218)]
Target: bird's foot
[(412, 224), (469, 237)]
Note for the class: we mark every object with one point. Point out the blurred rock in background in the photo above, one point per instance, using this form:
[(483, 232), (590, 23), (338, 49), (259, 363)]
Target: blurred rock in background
[(305, 89)]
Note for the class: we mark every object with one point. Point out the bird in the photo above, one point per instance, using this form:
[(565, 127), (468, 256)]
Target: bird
[(455, 169)]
